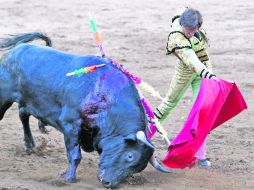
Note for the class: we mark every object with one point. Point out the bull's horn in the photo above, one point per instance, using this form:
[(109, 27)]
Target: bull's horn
[(158, 166), (142, 138)]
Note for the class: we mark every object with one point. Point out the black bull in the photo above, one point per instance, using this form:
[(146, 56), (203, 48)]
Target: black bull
[(99, 111)]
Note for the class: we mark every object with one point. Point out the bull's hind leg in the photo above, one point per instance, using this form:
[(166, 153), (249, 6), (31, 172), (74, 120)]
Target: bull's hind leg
[(4, 108), (42, 127), (28, 138), (71, 132)]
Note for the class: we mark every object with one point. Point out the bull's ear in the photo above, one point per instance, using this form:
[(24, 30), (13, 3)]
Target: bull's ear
[(131, 138)]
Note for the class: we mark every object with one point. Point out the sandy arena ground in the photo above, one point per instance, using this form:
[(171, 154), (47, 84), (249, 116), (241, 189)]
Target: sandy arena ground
[(134, 33)]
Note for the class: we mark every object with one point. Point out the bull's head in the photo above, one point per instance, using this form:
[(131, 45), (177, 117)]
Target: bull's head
[(121, 157)]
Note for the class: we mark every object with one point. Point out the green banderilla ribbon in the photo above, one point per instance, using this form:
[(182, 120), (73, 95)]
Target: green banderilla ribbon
[(85, 70)]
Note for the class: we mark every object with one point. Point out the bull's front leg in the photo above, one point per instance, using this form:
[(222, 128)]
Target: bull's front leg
[(71, 132), (28, 138)]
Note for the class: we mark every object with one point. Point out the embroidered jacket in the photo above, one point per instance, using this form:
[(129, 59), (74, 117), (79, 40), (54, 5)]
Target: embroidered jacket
[(192, 52)]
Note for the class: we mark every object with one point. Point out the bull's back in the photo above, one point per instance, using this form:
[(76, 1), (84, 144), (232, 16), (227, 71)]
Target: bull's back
[(46, 68), (39, 63)]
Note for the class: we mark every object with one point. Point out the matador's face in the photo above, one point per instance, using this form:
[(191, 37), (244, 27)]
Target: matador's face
[(189, 32)]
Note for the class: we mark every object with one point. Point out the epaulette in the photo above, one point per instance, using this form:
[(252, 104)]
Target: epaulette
[(175, 17), (177, 40)]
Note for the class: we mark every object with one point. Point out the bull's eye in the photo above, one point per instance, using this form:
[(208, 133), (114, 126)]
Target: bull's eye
[(130, 157)]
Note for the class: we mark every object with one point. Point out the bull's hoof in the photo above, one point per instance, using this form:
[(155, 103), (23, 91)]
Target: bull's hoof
[(29, 146), (66, 177)]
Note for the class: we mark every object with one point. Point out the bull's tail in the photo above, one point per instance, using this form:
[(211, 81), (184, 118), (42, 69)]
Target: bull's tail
[(14, 40)]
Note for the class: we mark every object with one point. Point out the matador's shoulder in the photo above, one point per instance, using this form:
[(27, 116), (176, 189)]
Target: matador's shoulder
[(177, 40)]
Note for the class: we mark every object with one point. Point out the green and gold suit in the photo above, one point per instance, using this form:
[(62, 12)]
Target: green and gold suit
[(193, 64)]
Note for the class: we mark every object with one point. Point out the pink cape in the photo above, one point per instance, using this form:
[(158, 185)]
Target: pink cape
[(217, 102)]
